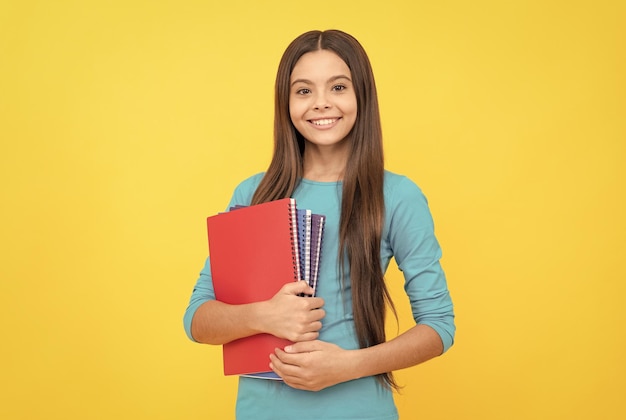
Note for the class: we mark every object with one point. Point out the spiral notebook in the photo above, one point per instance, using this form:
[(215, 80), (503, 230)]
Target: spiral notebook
[(254, 252), (310, 233), (304, 243), (317, 232)]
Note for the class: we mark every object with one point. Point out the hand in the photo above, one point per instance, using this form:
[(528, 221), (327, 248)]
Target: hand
[(313, 365), (292, 316)]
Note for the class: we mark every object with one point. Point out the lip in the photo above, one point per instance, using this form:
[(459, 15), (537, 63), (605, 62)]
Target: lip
[(324, 123)]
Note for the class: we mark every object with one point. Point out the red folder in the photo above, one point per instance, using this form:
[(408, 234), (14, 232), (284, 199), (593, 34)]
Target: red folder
[(253, 254)]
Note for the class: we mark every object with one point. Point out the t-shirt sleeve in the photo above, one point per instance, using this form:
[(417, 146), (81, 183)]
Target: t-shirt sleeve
[(203, 290), (417, 253)]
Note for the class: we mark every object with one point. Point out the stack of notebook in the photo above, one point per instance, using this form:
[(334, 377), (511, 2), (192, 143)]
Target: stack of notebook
[(254, 251)]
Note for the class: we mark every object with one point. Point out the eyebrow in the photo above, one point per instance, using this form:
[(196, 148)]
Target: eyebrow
[(332, 79)]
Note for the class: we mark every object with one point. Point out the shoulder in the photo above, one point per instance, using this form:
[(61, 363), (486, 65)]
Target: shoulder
[(405, 200), (400, 186), (246, 188), (250, 183)]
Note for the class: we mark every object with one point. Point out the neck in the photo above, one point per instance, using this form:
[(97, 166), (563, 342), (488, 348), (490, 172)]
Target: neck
[(324, 164)]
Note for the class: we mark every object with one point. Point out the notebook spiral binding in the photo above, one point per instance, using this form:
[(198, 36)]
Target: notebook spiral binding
[(294, 239), (315, 263)]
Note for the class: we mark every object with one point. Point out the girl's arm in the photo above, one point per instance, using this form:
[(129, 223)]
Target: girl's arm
[(286, 315), (316, 365), (415, 346)]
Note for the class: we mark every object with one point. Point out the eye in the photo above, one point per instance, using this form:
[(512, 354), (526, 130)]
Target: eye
[(339, 88), (303, 91)]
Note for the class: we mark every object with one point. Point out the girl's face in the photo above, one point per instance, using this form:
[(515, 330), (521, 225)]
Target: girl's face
[(322, 101)]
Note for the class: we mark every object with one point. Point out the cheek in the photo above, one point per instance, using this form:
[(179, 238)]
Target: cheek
[(296, 111), (354, 106), (293, 117), (292, 109), (348, 105), (352, 111)]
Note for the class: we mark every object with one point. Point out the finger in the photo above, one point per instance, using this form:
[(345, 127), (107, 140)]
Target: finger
[(282, 356), (292, 375), (289, 373), (276, 366), (303, 347), (308, 336), (289, 361), (315, 302), (280, 366), (315, 326), (317, 314), (297, 288)]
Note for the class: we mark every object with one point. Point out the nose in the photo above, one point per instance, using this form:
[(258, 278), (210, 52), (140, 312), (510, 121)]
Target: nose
[(321, 102)]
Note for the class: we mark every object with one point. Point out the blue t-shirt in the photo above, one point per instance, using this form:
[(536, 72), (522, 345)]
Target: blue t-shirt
[(408, 236)]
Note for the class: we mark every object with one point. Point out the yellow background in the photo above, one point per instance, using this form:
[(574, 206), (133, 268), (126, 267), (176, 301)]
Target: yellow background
[(123, 124)]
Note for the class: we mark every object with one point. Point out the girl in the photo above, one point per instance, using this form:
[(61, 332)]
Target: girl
[(328, 156)]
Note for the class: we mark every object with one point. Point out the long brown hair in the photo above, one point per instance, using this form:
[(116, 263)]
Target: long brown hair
[(362, 205)]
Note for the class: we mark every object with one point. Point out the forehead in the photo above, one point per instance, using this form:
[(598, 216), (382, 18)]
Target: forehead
[(320, 64)]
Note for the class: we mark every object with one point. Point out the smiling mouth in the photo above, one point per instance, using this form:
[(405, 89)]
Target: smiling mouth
[(324, 121)]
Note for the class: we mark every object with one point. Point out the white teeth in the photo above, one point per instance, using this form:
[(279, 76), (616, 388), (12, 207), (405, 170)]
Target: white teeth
[(324, 122)]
